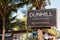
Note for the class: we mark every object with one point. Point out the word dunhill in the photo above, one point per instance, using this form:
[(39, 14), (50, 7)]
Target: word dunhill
[(40, 14)]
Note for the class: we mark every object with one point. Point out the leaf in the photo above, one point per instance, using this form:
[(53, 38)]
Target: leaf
[(13, 18), (49, 2)]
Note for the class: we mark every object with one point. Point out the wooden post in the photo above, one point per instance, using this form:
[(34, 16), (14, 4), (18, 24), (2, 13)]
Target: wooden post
[(54, 37), (40, 34)]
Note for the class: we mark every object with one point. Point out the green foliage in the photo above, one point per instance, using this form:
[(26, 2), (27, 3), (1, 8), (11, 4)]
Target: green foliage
[(19, 24), (9, 19), (10, 5), (13, 4), (49, 2), (12, 22), (20, 3)]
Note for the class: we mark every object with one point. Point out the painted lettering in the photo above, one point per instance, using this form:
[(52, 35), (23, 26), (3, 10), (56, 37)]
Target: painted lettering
[(40, 14)]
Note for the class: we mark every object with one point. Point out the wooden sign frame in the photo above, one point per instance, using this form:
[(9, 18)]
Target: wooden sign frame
[(45, 18)]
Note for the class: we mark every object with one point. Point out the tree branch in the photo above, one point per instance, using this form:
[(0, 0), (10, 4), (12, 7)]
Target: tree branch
[(13, 7)]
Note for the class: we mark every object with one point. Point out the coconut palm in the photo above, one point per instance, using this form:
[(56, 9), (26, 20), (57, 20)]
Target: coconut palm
[(9, 5), (5, 6)]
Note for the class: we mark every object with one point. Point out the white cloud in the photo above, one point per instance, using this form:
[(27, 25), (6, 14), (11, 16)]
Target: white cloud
[(20, 15)]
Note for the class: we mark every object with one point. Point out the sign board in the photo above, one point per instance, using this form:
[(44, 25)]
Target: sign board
[(41, 18)]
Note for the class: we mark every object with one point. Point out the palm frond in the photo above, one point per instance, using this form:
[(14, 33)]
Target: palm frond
[(49, 2)]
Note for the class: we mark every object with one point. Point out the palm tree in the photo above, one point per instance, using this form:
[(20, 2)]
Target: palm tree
[(9, 5), (6, 6), (9, 21)]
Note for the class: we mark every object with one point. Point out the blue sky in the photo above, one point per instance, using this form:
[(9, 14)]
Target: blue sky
[(54, 4)]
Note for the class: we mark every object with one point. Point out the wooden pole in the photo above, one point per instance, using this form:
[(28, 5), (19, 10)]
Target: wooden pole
[(54, 37), (40, 34)]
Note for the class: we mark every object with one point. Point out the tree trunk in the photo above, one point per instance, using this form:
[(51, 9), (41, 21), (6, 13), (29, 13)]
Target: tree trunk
[(3, 36), (3, 26), (3, 32)]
